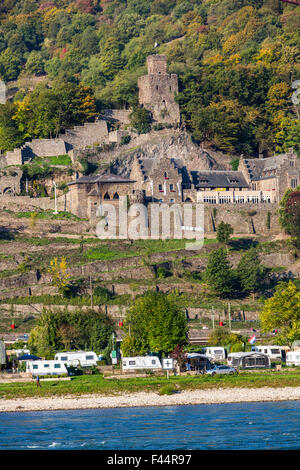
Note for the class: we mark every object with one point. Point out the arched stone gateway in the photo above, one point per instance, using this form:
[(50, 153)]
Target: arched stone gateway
[(8, 191)]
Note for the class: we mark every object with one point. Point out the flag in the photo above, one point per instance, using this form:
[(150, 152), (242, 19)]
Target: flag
[(252, 339)]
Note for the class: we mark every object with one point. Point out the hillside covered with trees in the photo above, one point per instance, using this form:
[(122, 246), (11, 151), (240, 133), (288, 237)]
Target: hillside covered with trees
[(236, 61)]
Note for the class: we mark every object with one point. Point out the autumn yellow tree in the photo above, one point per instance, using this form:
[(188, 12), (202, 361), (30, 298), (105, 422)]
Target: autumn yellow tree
[(60, 276), (282, 312)]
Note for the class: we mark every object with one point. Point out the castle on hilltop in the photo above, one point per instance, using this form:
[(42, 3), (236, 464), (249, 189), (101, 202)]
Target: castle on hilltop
[(156, 177), (157, 91)]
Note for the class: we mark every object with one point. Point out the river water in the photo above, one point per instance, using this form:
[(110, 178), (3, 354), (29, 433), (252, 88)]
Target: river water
[(234, 426)]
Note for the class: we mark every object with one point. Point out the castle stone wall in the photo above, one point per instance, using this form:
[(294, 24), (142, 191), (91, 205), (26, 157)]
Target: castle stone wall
[(119, 115), (47, 147), (87, 135), (26, 202)]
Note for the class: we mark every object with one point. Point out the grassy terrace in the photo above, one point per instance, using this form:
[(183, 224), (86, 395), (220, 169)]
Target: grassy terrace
[(96, 384)]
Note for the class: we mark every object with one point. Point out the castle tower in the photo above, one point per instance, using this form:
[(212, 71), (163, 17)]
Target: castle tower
[(157, 91)]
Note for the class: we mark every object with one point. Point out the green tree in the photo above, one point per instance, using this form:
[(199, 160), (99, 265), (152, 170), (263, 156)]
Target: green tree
[(35, 63), (222, 337), (10, 136), (250, 272), (111, 61), (154, 323), (57, 331), (10, 65), (282, 311), (289, 214), (223, 232), (140, 119), (219, 274)]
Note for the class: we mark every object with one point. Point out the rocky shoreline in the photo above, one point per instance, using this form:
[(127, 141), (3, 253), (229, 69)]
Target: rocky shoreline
[(194, 397)]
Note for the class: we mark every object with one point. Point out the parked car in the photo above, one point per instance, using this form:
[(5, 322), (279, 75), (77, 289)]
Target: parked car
[(222, 370)]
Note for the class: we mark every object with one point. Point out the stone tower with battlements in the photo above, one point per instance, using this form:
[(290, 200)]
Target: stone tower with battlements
[(157, 91)]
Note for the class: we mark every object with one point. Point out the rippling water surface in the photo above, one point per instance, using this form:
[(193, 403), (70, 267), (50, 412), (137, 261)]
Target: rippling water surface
[(243, 426)]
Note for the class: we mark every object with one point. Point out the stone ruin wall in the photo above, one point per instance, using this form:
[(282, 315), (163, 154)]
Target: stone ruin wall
[(10, 181), (24, 203), (87, 135), (117, 115)]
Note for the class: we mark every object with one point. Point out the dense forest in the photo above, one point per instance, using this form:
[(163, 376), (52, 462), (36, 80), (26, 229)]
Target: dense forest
[(236, 61)]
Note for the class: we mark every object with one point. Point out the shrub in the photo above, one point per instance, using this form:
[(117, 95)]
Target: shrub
[(140, 119), (125, 139), (167, 390)]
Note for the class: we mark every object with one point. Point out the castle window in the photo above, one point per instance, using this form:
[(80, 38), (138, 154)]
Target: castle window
[(166, 175), (160, 187), (292, 163), (106, 196), (156, 87), (171, 187), (172, 201), (116, 196), (294, 183), (170, 88)]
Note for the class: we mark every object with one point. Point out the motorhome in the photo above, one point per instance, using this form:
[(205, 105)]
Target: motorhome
[(141, 362), (274, 352), (215, 353), (293, 358), (45, 367), (77, 358), (249, 360)]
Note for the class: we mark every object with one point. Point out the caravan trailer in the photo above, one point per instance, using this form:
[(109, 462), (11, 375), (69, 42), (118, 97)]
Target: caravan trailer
[(45, 367), (141, 362), (249, 360), (274, 352), (77, 358), (216, 353), (293, 358)]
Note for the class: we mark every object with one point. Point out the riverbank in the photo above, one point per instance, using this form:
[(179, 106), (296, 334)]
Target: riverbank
[(142, 399)]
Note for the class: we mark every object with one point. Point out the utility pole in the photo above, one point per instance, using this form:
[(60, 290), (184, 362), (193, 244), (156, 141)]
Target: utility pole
[(213, 318), (91, 290), (229, 316), (55, 202)]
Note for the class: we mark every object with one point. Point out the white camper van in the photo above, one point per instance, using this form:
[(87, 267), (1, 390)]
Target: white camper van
[(141, 362), (293, 358), (44, 367), (216, 353), (76, 358), (274, 352)]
